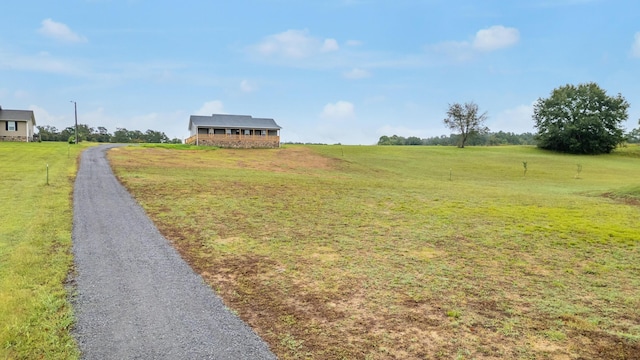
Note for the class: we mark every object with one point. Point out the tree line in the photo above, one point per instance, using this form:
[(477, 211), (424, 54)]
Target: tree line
[(102, 135), (579, 119), (486, 139)]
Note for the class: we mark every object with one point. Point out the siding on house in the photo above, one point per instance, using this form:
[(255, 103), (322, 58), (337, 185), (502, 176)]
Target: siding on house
[(25, 125)]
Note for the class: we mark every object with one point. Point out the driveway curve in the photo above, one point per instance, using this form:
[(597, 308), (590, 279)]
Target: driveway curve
[(135, 296)]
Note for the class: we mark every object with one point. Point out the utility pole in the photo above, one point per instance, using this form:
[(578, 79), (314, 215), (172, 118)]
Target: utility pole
[(75, 110)]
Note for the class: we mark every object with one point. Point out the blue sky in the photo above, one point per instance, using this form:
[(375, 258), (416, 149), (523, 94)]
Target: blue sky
[(333, 71)]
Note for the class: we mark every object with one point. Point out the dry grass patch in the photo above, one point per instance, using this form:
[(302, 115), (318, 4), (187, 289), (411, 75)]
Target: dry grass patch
[(373, 253)]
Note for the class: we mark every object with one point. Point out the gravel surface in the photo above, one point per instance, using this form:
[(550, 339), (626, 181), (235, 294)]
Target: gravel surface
[(135, 296)]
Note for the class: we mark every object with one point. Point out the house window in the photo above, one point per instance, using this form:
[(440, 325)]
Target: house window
[(12, 126), (247, 132), (263, 132)]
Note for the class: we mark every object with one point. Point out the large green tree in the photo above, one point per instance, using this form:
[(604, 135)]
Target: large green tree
[(580, 120), (466, 120)]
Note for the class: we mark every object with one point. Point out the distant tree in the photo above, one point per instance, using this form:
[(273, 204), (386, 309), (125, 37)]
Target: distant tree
[(442, 140), (580, 119), (392, 140), (84, 132), (413, 140), (397, 140), (152, 136), (485, 139), (101, 134), (67, 133), (466, 120), (48, 133), (136, 136), (121, 135), (384, 140), (634, 136)]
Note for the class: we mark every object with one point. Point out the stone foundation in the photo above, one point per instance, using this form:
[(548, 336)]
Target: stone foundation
[(14, 138), (235, 142)]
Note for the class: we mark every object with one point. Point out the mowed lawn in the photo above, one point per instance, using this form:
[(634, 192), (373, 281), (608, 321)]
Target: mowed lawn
[(369, 252), (35, 250)]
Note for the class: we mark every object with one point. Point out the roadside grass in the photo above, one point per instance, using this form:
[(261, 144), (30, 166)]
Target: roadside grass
[(369, 252), (35, 250)]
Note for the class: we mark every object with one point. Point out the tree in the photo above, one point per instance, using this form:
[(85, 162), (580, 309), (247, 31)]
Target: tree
[(84, 132), (152, 136), (384, 140), (121, 135), (634, 136), (465, 120), (580, 120), (101, 134), (48, 133), (136, 136), (67, 133), (413, 140)]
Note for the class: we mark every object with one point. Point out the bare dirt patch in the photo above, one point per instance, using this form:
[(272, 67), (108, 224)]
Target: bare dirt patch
[(628, 200)]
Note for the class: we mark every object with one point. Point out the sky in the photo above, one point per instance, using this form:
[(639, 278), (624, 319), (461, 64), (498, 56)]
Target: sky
[(331, 71)]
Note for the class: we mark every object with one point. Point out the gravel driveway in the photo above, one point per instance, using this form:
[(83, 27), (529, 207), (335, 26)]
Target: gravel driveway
[(135, 296)]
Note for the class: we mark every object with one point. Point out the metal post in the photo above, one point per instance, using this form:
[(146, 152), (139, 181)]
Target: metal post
[(75, 111)]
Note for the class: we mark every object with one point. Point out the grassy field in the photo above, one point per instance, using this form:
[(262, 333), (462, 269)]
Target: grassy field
[(35, 244), (352, 252)]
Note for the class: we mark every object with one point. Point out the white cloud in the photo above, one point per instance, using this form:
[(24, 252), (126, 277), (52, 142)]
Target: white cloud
[(60, 32), (635, 48), (211, 107), (330, 45), (485, 40), (496, 37), (338, 110), (247, 86), (517, 120), (357, 73), (293, 44)]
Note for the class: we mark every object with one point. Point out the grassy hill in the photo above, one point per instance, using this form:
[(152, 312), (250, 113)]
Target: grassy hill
[(409, 252), (357, 252)]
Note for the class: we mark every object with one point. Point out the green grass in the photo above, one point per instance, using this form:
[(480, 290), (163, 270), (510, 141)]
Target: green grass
[(35, 257), (408, 252)]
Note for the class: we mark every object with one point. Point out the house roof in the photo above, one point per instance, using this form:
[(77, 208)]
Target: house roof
[(232, 121), (17, 115)]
